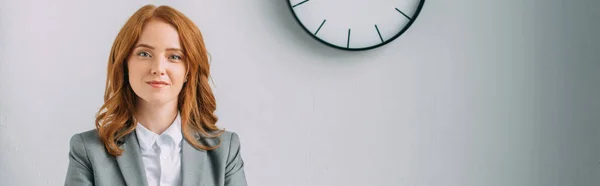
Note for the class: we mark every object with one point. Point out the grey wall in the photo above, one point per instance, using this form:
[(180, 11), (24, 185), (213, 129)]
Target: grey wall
[(475, 93)]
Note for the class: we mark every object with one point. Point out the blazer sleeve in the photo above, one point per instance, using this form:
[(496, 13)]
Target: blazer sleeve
[(79, 171), (234, 170)]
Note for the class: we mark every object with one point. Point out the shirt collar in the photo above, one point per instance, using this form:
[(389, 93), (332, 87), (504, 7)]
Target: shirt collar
[(147, 138)]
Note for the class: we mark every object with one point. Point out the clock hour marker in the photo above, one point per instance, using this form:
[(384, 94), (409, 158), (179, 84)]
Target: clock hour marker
[(397, 10), (378, 33), (320, 26), (394, 19), (348, 43), (299, 3)]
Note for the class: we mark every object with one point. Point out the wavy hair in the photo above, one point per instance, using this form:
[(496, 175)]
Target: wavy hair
[(196, 102)]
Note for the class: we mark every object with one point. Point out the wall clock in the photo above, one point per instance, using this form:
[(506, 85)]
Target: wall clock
[(355, 24)]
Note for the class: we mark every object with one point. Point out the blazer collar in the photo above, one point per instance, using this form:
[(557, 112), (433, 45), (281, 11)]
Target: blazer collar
[(130, 162), (132, 166)]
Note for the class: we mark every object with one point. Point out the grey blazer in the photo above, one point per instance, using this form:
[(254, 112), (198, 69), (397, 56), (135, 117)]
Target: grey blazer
[(90, 164)]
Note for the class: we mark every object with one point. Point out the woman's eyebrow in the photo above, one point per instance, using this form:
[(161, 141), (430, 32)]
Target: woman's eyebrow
[(151, 47), (176, 49), (144, 45)]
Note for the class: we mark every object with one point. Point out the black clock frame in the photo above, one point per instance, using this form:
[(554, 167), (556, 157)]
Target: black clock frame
[(412, 20)]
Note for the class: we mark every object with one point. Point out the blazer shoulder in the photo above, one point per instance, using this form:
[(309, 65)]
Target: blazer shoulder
[(88, 140), (226, 140), (230, 141), (88, 136), (228, 135), (230, 138), (233, 163)]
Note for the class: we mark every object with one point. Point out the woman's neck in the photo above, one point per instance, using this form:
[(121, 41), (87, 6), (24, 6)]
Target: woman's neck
[(156, 117)]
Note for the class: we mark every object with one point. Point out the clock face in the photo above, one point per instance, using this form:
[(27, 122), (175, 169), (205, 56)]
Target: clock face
[(355, 24)]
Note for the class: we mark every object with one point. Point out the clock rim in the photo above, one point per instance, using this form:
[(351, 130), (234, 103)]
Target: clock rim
[(417, 12)]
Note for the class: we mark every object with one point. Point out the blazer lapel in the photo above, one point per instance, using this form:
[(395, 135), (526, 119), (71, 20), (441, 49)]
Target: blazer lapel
[(192, 162), (130, 162)]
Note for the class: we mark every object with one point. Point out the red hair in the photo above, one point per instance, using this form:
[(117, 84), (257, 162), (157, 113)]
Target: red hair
[(196, 102)]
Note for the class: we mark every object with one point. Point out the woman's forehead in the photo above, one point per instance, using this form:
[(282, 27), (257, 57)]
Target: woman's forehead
[(159, 35)]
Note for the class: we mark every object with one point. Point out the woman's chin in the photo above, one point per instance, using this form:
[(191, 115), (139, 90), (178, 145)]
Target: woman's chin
[(156, 100)]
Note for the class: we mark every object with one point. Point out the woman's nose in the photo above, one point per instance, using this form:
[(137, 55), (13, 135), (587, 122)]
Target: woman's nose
[(158, 66), (157, 73)]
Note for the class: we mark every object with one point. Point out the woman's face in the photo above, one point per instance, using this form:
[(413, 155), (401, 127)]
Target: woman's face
[(156, 65)]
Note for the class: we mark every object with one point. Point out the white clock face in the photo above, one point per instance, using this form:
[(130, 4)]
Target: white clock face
[(355, 24)]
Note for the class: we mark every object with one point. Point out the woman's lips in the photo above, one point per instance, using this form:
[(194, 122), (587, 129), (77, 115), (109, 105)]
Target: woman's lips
[(157, 84)]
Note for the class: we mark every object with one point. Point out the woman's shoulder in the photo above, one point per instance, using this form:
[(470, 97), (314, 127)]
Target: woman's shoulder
[(86, 136), (86, 140), (229, 136), (90, 141), (228, 146), (226, 138)]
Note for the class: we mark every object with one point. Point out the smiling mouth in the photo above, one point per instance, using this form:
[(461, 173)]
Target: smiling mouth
[(157, 84)]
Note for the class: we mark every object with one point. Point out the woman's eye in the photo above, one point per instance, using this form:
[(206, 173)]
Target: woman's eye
[(175, 57), (144, 54)]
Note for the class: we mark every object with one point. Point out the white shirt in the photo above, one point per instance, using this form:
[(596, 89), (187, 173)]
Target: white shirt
[(161, 154)]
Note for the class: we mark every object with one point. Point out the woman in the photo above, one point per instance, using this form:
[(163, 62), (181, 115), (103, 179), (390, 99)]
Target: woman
[(156, 126)]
